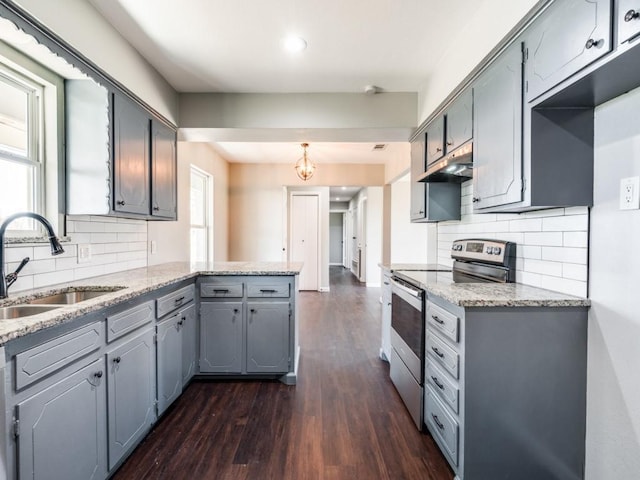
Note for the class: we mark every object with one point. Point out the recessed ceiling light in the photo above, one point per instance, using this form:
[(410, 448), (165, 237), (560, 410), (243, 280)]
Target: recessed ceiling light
[(344, 188), (294, 44), (337, 199)]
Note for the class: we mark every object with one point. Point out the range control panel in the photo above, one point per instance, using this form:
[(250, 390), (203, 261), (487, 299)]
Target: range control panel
[(497, 252)]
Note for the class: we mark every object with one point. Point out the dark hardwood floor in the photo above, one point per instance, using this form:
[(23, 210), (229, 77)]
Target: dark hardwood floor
[(343, 420)]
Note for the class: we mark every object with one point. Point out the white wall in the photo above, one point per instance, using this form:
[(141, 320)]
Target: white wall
[(172, 238), (374, 235), (410, 242), (552, 245), (613, 382)]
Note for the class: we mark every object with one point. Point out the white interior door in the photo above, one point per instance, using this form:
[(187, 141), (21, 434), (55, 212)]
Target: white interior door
[(304, 238)]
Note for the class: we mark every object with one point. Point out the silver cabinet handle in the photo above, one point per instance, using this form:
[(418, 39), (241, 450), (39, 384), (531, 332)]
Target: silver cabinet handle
[(438, 423), (437, 319), (438, 384), (631, 15), (437, 352), (594, 43)]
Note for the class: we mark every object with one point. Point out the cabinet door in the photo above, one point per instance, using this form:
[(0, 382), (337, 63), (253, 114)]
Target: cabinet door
[(418, 194), (459, 121), (131, 390), (163, 171), (63, 428), (130, 157), (497, 132), (628, 19), (169, 362), (268, 326), (568, 36), (386, 317), (189, 343), (221, 337), (435, 140)]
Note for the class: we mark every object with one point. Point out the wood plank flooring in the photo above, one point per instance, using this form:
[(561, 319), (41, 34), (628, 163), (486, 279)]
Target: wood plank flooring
[(343, 420)]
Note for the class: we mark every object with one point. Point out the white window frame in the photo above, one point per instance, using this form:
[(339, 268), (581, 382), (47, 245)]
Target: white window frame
[(35, 140), (208, 209)]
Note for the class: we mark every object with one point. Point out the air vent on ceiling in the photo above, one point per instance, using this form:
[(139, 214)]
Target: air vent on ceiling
[(379, 146)]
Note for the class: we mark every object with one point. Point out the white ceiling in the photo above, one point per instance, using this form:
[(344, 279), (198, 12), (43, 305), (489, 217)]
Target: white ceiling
[(236, 45), (342, 194)]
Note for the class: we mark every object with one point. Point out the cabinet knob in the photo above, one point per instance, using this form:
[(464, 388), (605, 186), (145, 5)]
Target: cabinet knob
[(475, 199), (98, 374), (631, 15), (594, 43), (117, 360), (253, 310), (181, 322), (156, 208), (438, 149), (120, 202), (235, 310), (421, 212), (449, 143)]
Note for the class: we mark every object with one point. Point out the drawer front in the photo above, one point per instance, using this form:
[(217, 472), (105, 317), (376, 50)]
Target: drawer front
[(226, 290), (124, 322), (442, 385), (444, 355), (174, 300), (268, 291), (38, 362), (442, 425), (443, 321)]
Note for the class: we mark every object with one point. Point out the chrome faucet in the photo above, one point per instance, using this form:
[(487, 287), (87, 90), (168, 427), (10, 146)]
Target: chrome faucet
[(56, 248)]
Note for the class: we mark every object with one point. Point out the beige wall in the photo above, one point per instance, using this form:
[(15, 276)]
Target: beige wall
[(80, 25), (172, 238)]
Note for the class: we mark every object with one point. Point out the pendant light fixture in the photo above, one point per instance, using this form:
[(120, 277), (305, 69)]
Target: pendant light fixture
[(305, 167)]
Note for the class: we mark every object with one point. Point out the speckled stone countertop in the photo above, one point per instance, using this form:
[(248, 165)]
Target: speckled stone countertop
[(490, 294), (392, 267), (129, 284)]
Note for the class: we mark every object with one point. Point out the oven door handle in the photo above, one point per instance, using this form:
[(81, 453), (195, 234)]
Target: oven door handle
[(411, 296), (411, 291)]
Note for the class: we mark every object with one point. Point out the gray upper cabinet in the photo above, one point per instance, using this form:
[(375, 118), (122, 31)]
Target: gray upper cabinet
[(169, 355), (189, 343), (435, 141), (567, 37), (130, 157), (459, 121), (163, 171), (268, 334), (131, 393), (418, 194), (497, 128), (63, 428), (221, 337), (628, 17)]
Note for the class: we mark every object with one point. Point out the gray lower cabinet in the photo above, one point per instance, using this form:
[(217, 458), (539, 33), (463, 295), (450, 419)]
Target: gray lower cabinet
[(169, 355), (268, 335), (505, 389), (497, 130), (131, 393), (63, 428), (385, 344), (189, 343), (567, 37), (221, 337)]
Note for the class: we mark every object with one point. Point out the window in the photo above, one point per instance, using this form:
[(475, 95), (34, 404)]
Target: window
[(201, 216), (21, 134)]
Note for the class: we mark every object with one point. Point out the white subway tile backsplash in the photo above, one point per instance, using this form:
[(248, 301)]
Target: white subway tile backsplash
[(116, 245), (567, 223), (543, 239), (576, 239), (530, 251), (526, 225), (564, 285), (574, 271), (565, 254), (543, 267)]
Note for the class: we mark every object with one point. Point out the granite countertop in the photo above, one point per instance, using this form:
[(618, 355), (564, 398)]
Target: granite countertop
[(491, 294), (129, 284)]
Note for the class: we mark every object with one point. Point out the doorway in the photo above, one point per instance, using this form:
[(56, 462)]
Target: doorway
[(336, 238), (305, 238)]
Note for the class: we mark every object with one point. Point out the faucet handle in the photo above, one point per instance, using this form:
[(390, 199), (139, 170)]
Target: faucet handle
[(12, 277)]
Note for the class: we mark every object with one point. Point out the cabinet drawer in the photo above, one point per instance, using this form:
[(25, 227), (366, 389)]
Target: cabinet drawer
[(443, 321), (38, 362), (226, 290), (442, 424), (268, 290), (442, 385), (174, 300), (443, 354), (124, 322)]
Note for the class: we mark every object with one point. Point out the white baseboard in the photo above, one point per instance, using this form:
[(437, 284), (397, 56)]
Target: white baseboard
[(324, 289), (373, 284), (336, 265)]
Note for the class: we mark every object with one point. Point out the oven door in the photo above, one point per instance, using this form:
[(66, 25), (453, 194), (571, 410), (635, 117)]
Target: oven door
[(407, 325)]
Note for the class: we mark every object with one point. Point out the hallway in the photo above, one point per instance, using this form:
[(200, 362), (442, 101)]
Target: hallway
[(343, 420)]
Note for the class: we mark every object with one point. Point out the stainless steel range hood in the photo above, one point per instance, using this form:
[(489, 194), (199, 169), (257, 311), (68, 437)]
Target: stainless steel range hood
[(455, 167)]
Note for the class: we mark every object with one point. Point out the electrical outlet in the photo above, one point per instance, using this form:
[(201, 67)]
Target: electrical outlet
[(630, 193), (84, 253)]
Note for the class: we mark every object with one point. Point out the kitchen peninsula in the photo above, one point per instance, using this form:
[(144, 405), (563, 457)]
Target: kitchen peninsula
[(104, 357)]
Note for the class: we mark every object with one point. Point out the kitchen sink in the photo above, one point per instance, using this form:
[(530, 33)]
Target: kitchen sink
[(19, 311), (69, 298)]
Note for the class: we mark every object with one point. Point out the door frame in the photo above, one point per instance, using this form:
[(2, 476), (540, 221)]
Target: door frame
[(306, 193)]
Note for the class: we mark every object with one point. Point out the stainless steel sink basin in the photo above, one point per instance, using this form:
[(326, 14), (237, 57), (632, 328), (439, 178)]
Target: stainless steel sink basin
[(19, 311), (68, 298)]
